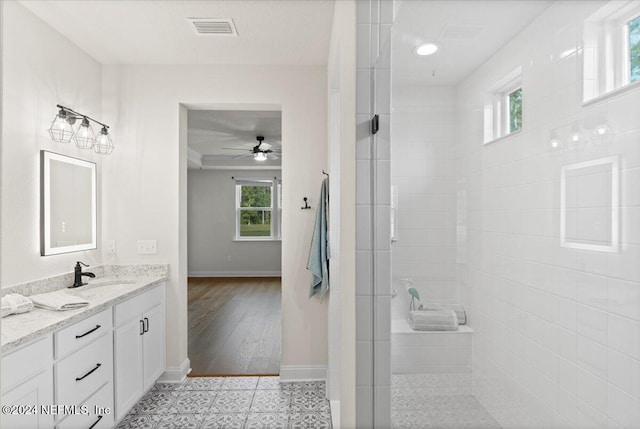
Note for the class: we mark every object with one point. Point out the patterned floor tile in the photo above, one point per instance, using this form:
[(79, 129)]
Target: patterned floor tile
[(239, 383), (267, 421), (224, 421), (265, 401), (204, 383), (154, 402), (195, 401), (269, 383), (310, 420), (232, 401), (309, 400)]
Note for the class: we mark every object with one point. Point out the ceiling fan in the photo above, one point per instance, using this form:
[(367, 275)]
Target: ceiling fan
[(259, 151)]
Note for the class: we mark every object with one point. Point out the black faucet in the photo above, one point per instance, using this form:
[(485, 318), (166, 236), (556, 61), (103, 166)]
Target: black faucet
[(77, 278)]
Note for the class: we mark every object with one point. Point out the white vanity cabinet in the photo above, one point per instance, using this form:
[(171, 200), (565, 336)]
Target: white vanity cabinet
[(27, 384), (87, 374), (139, 347)]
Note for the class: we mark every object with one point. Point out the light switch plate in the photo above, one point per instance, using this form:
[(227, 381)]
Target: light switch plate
[(147, 247)]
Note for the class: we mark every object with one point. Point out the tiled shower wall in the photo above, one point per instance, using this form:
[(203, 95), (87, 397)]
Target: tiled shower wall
[(373, 209), (557, 330), (424, 177)]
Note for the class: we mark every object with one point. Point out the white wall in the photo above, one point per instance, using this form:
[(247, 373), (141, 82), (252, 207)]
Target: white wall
[(146, 182), (557, 330), (41, 68), (341, 77), (213, 250), (423, 172)]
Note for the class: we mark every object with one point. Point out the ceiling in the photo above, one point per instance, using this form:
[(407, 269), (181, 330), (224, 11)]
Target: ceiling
[(270, 32), (468, 33), (217, 138)]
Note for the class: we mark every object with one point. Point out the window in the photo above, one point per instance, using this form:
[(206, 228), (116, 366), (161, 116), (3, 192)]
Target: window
[(611, 57), (634, 49), (258, 209), (503, 107), (515, 110)]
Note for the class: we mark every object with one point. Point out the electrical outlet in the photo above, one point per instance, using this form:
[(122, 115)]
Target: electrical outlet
[(147, 247)]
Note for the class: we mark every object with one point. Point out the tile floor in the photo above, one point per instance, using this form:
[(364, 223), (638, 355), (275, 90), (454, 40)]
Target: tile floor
[(231, 403), (442, 401)]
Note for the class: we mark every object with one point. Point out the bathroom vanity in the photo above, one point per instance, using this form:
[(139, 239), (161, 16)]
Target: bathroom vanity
[(84, 368)]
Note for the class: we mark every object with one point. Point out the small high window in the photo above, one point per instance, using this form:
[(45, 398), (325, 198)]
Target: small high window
[(515, 110), (258, 209), (634, 49), (611, 48), (503, 107)]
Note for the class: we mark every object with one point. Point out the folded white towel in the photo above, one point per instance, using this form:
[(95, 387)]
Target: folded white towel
[(433, 320), (14, 303), (58, 301), (459, 310)]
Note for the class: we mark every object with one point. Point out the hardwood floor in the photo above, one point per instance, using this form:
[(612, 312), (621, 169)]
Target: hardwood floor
[(234, 325)]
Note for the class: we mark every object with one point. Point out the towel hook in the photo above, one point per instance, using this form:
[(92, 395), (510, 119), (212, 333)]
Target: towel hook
[(326, 174), (306, 205)]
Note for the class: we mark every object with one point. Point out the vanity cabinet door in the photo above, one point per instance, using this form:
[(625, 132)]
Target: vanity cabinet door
[(153, 350), (128, 365), (34, 393)]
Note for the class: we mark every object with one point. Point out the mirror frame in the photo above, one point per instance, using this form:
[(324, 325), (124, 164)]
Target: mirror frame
[(45, 204)]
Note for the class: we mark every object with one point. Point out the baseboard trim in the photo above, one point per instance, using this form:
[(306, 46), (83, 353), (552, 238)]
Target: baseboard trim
[(176, 374), (303, 372), (335, 414), (235, 274)]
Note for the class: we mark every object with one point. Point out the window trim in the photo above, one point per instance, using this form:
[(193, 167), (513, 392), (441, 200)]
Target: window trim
[(496, 109), (276, 212), (606, 64)]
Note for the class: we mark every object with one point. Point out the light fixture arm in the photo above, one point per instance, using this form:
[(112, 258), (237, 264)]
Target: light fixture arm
[(79, 115)]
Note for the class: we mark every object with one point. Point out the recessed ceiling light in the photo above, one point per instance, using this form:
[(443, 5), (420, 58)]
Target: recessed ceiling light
[(426, 49)]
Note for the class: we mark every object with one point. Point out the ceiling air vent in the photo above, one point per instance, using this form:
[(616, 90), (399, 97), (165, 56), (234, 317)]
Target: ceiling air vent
[(214, 26)]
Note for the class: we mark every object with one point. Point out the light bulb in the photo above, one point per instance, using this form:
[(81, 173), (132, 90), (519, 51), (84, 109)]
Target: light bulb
[(575, 137), (555, 143), (260, 156), (426, 49)]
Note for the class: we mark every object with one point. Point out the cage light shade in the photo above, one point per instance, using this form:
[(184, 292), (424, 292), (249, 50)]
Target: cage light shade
[(84, 138), (61, 130), (103, 144)]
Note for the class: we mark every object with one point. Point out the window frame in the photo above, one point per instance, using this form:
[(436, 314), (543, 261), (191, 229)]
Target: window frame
[(274, 209), (497, 113), (606, 52)]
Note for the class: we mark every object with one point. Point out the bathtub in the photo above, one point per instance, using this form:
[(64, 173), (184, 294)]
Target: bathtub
[(418, 352)]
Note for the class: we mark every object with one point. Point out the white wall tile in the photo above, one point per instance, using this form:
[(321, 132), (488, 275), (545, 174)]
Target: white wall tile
[(363, 227), (364, 360), (624, 335)]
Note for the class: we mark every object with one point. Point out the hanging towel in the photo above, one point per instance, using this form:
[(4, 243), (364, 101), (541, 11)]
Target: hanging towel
[(14, 303), (457, 308), (58, 301), (319, 254)]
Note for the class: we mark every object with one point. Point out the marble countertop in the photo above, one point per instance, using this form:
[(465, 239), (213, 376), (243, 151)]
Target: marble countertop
[(19, 329)]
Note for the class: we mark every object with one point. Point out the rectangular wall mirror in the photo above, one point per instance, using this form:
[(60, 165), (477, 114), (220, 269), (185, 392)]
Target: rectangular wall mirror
[(68, 204)]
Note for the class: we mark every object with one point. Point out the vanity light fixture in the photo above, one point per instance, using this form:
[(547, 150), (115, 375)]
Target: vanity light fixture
[(84, 138), (425, 49), (61, 131), (260, 156)]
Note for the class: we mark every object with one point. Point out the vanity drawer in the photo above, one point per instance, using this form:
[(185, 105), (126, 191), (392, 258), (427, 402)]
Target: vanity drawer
[(80, 375), (76, 336), (134, 307), (100, 412), (20, 365)]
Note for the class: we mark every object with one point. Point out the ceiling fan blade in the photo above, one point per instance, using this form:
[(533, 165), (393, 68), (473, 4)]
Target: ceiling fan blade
[(274, 156), (234, 148), (240, 156)]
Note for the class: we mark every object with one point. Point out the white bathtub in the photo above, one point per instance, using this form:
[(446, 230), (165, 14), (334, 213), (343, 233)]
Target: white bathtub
[(416, 352)]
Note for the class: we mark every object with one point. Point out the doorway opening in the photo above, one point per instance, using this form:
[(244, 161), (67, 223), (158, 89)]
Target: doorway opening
[(234, 218)]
